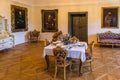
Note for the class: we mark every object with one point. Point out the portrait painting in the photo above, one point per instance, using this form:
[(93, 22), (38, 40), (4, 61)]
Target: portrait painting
[(19, 18), (109, 17), (49, 20)]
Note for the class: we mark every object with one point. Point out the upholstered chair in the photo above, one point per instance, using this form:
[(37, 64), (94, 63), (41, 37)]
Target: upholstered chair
[(34, 35), (46, 42), (89, 53), (56, 36), (61, 60)]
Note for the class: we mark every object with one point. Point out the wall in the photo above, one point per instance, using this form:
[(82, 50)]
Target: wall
[(35, 22), (94, 18), (5, 10)]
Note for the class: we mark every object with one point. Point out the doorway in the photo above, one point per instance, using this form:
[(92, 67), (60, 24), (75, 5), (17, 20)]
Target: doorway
[(78, 25)]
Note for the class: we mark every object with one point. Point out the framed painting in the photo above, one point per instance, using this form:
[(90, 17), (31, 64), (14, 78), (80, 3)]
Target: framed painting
[(49, 20), (19, 18), (109, 17)]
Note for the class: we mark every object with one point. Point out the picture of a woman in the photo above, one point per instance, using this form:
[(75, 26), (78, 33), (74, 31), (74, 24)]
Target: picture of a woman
[(110, 20), (109, 17)]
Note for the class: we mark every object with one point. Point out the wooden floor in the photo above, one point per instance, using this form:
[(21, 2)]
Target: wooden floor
[(25, 62)]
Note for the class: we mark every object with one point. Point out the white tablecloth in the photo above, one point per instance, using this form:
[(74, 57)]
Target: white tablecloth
[(76, 50)]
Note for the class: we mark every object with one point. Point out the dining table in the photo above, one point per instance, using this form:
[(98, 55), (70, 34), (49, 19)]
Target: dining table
[(75, 50)]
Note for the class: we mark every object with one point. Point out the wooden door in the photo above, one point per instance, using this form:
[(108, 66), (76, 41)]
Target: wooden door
[(78, 25)]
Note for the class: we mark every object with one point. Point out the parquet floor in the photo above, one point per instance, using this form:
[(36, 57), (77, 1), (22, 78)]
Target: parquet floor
[(25, 62)]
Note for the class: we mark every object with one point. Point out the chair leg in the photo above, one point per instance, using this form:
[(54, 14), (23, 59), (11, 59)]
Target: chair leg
[(112, 46), (70, 66), (90, 66), (64, 73), (55, 72), (47, 61)]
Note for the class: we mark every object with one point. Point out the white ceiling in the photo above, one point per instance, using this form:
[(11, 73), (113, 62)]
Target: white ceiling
[(62, 2)]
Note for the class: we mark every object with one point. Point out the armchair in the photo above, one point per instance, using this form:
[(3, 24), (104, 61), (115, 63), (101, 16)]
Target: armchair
[(34, 35)]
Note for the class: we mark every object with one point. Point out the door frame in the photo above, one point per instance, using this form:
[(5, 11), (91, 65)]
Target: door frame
[(70, 14)]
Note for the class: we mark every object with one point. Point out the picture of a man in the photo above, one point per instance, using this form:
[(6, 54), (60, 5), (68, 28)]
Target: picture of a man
[(19, 19), (50, 23), (49, 20)]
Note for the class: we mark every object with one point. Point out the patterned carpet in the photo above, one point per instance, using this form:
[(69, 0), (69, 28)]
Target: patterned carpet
[(25, 62)]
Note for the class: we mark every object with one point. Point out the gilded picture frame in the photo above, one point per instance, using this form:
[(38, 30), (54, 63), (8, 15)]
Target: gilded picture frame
[(19, 18), (49, 20), (109, 17)]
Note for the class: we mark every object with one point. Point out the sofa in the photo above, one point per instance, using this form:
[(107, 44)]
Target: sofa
[(109, 38)]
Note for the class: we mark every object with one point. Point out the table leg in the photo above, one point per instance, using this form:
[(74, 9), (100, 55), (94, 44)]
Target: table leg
[(47, 61), (80, 66)]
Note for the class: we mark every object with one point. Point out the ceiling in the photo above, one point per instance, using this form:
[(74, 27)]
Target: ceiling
[(61, 2)]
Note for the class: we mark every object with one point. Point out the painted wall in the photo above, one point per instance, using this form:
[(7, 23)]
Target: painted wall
[(35, 22), (94, 18), (5, 10)]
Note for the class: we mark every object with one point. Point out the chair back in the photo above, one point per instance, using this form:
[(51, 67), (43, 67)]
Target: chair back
[(56, 36), (74, 39), (91, 47), (34, 33), (60, 55), (46, 42)]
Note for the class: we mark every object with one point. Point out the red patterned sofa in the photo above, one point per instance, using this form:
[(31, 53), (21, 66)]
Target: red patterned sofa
[(109, 38)]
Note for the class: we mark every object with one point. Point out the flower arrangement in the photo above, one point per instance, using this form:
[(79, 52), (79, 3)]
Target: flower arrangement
[(66, 38)]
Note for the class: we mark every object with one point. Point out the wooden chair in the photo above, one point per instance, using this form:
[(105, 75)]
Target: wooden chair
[(46, 42), (89, 53), (61, 60), (56, 36)]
